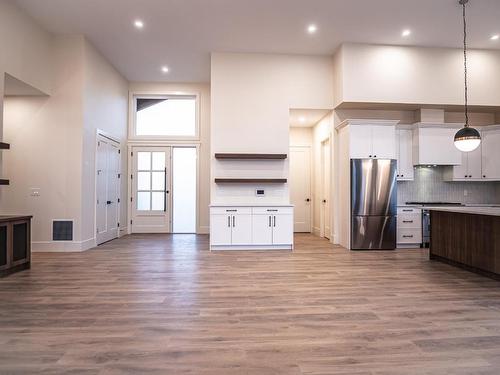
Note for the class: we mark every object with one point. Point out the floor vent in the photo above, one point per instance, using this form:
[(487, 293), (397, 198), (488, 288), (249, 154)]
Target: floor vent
[(62, 230)]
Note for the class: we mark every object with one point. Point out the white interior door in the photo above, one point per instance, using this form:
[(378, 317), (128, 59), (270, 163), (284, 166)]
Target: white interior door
[(300, 187), (151, 185), (325, 190), (107, 189)]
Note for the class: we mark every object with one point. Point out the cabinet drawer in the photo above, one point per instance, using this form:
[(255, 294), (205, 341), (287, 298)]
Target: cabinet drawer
[(409, 210), (273, 210), (409, 236), (230, 210), (410, 221)]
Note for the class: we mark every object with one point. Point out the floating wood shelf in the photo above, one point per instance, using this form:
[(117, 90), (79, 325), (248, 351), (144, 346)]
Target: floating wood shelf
[(250, 156), (4, 182), (4, 146), (250, 180)]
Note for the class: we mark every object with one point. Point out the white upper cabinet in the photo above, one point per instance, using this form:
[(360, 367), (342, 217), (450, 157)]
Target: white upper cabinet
[(491, 153), (433, 145), (404, 155), (482, 163), (371, 139)]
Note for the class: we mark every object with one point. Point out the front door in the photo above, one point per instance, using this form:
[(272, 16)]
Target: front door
[(107, 189), (151, 185)]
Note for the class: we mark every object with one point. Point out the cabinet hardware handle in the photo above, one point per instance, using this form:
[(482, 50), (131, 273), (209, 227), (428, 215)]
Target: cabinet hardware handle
[(229, 221), (234, 221), (231, 210), (484, 176), (370, 156), (402, 175), (274, 221), (407, 210), (466, 176), (272, 210), (407, 221), (269, 221), (408, 236), (374, 156)]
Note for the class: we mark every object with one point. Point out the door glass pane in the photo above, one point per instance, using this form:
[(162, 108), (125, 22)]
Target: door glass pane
[(184, 189), (158, 181), (158, 161), (144, 181), (173, 116), (143, 161), (143, 201), (158, 202)]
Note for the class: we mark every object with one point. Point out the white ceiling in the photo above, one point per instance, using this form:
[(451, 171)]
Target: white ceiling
[(306, 118), (182, 33)]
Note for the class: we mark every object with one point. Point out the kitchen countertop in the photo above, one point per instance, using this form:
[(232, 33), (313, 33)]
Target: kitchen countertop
[(251, 205), (481, 210)]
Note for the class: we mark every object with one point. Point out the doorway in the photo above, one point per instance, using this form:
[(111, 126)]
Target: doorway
[(107, 189), (325, 189), (300, 187), (164, 189)]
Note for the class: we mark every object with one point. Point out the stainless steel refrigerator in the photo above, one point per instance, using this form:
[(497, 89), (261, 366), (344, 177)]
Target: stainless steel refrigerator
[(373, 204)]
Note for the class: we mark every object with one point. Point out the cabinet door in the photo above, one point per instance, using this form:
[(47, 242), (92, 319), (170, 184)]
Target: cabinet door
[(491, 154), (360, 141), (383, 142), (220, 229), (4, 257), (282, 229), (461, 172), (262, 230), (405, 159), (474, 163), (241, 229), (398, 152)]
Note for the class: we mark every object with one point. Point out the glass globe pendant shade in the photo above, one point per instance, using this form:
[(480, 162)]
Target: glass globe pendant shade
[(467, 139)]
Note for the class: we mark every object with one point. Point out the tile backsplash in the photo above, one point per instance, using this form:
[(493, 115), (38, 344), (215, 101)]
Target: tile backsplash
[(429, 186)]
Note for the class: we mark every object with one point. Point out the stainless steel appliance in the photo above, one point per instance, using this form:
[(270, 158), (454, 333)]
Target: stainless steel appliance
[(373, 204), (426, 217)]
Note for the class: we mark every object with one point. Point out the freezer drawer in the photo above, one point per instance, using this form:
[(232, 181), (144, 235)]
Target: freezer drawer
[(373, 233)]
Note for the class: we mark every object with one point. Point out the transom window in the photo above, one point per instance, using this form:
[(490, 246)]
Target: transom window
[(167, 117)]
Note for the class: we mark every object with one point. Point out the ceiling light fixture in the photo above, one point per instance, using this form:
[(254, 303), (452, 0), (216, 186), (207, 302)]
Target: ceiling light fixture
[(138, 24), (406, 33), (302, 119), (495, 37), (466, 139), (312, 28), (164, 69)]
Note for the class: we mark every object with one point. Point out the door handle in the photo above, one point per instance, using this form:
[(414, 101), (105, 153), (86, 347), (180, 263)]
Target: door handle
[(109, 202), (308, 200), (324, 200)]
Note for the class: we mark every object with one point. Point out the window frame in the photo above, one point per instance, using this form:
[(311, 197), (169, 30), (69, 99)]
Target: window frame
[(133, 129)]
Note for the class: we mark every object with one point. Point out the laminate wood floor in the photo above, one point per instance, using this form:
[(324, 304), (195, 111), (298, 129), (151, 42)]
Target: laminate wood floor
[(160, 304)]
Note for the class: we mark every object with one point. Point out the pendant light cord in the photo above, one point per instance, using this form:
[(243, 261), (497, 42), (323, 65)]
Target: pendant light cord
[(465, 68)]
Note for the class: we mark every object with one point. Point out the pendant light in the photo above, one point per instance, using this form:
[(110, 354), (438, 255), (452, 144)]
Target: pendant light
[(466, 139)]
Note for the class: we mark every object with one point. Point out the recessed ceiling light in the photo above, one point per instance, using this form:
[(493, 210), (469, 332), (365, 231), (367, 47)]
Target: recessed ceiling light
[(302, 119), (406, 33), (312, 28), (138, 24), (495, 37), (164, 69)]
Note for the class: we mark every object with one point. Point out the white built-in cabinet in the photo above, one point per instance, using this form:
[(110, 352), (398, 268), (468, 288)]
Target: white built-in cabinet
[(433, 144), (374, 139), (482, 163), (404, 155), (251, 228)]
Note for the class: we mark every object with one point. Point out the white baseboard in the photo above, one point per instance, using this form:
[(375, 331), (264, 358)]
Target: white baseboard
[(62, 246), (316, 231), (203, 229), (250, 247)]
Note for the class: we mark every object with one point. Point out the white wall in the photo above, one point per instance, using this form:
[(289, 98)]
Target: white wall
[(45, 135), (203, 91), (105, 105), (417, 75), (251, 98)]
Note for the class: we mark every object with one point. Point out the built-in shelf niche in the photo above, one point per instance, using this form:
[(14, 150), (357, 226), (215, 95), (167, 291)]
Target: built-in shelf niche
[(250, 180), (245, 156)]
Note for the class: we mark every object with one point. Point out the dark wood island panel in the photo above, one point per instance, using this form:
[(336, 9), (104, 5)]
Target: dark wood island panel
[(15, 244), (469, 241)]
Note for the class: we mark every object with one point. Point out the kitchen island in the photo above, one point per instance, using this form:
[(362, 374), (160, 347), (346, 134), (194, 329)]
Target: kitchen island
[(15, 243), (467, 237)]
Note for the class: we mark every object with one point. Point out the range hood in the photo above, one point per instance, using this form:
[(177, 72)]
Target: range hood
[(433, 144)]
